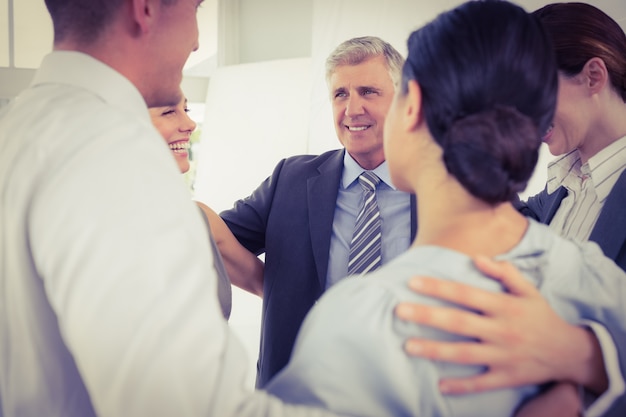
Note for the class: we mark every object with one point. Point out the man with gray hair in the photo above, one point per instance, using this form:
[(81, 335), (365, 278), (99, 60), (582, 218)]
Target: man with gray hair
[(304, 216)]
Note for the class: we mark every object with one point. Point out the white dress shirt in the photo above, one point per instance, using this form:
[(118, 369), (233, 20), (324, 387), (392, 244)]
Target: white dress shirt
[(108, 299)]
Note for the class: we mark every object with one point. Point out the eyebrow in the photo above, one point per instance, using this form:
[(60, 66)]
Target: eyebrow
[(368, 87), (359, 89)]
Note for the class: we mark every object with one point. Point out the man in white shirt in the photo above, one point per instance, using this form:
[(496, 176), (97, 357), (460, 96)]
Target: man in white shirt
[(108, 299)]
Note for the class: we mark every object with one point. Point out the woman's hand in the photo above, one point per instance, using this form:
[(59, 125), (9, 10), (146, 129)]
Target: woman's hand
[(518, 336)]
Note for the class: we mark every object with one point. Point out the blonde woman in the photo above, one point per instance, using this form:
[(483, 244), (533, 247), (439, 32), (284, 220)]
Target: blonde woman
[(235, 264)]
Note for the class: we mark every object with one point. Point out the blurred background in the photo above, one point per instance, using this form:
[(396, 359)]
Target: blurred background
[(255, 87)]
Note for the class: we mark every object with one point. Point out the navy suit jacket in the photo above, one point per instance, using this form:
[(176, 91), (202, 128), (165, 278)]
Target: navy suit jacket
[(609, 232), (289, 217)]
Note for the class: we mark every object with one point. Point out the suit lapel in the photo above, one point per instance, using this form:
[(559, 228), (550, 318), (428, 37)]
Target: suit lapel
[(610, 229), (553, 203), (322, 199)]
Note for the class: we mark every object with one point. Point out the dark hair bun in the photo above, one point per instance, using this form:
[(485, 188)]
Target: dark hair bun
[(492, 153)]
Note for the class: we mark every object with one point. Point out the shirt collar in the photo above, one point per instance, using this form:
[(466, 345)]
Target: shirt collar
[(561, 168), (352, 170), (604, 169), (81, 70), (606, 166)]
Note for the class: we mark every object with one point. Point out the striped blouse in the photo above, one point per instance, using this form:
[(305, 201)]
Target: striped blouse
[(588, 187)]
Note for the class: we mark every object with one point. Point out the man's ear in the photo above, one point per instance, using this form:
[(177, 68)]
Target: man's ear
[(596, 75), (413, 110), (144, 12)]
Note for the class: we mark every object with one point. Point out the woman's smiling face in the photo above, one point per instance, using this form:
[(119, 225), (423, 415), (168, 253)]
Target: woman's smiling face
[(176, 127)]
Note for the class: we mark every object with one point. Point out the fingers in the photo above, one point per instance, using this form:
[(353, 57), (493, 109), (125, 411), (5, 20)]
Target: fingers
[(510, 277), (466, 353), (487, 302), (449, 319), (482, 382), (502, 332), (462, 294)]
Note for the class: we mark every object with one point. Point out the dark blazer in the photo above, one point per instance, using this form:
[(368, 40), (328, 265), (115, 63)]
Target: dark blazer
[(609, 232), (289, 218), (610, 229)]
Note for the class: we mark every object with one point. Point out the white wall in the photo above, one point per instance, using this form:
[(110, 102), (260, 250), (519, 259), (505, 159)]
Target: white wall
[(255, 115)]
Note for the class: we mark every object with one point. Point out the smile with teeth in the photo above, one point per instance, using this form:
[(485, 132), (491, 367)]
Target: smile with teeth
[(179, 147), (357, 128)]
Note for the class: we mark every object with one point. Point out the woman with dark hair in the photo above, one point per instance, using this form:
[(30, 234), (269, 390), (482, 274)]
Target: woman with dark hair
[(584, 198), (586, 190), (479, 90)]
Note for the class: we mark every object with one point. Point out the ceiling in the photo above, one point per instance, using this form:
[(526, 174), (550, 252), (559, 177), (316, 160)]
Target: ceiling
[(246, 31)]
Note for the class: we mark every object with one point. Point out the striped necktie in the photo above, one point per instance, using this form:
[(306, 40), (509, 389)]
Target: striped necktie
[(365, 254)]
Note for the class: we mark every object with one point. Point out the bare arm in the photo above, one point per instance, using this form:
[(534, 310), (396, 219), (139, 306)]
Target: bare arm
[(243, 267), (522, 340), (562, 400)]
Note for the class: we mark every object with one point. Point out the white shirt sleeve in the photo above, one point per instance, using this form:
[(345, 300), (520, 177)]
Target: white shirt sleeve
[(127, 269), (601, 404)]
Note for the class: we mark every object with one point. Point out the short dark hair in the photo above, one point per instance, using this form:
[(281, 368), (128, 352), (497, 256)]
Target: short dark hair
[(579, 32), (488, 79), (83, 20)]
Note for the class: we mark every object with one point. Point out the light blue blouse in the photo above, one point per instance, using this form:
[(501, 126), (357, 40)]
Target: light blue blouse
[(349, 358)]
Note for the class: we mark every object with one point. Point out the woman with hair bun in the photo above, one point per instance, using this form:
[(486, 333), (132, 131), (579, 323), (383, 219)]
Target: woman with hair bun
[(584, 198), (463, 133)]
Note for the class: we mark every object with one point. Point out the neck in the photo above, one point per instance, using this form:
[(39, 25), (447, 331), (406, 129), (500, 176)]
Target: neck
[(448, 216), (610, 126), (119, 49), (368, 161)]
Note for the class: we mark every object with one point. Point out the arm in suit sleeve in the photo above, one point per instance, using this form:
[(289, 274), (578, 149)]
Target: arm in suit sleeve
[(247, 220), (533, 206)]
